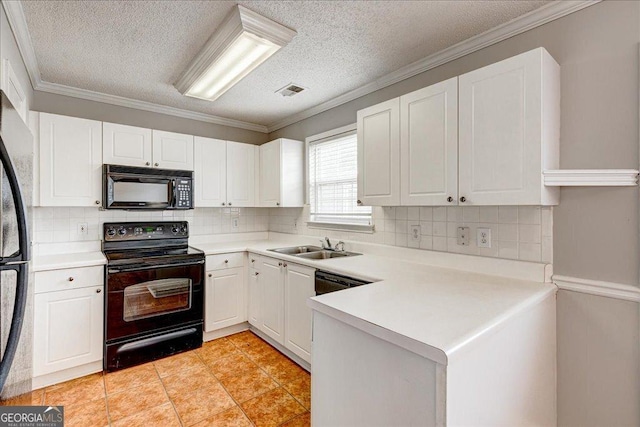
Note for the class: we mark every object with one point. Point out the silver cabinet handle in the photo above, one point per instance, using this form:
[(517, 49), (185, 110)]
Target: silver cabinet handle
[(463, 199), (210, 275), (277, 203), (224, 204), (284, 265), (256, 273), (98, 291), (226, 261), (156, 164), (148, 163), (359, 202), (97, 202), (229, 203), (279, 264), (253, 260), (449, 199), (71, 279)]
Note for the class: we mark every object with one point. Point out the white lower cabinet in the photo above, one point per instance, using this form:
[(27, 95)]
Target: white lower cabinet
[(272, 299), (278, 293), (225, 301), (68, 322), (299, 287)]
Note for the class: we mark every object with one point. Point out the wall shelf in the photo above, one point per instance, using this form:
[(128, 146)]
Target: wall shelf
[(591, 178)]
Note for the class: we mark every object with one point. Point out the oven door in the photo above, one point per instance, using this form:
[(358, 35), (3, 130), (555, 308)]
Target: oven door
[(133, 191), (145, 299)]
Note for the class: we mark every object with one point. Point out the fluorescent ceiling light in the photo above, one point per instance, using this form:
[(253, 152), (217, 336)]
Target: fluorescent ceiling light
[(243, 42)]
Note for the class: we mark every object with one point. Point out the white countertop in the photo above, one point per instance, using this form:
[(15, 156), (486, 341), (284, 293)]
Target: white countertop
[(423, 301), (68, 260), (430, 310)]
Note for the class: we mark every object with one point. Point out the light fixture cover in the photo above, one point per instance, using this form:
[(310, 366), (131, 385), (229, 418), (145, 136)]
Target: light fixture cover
[(243, 41)]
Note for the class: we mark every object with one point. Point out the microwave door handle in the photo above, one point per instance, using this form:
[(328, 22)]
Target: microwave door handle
[(172, 198)]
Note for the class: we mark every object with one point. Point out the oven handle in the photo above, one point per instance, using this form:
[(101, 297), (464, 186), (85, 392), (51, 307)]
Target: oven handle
[(149, 267)]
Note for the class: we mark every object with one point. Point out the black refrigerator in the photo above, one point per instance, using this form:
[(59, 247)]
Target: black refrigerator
[(16, 295)]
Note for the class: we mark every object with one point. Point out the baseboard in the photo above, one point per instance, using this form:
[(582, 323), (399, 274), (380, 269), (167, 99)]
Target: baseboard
[(66, 375), (598, 287), (225, 332)]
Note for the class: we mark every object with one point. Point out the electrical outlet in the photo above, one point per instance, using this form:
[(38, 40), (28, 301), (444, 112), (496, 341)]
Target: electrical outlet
[(415, 233), (83, 229), (463, 236), (234, 223), (483, 238)]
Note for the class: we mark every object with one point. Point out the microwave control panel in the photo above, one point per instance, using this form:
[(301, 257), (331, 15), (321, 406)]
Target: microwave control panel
[(183, 193)]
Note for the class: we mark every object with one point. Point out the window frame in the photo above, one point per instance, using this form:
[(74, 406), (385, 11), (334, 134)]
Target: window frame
[(330, 134)]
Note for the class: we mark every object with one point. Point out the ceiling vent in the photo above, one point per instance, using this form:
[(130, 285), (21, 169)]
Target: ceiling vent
[(290, 90)]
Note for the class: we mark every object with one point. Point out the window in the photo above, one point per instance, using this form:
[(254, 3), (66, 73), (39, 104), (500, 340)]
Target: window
[(333, 182)]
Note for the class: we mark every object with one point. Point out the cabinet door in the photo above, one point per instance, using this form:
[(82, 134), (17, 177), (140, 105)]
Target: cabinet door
[(210, 172), (240, 174), (270, 174), (68, 329), (126, 145), (299, 287), (272, 301), (500, 131), (70, 161), (429, 145), (172, 150), (224, 299), (379, 154)]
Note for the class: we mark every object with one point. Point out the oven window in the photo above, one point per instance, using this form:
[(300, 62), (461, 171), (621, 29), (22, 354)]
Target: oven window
[(156, 298), (125, 191)]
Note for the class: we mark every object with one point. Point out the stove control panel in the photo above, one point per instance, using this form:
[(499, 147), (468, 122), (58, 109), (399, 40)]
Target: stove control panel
[(117, 231)]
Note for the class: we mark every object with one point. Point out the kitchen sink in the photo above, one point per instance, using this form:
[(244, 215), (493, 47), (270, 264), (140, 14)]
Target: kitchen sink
[(297, 250), (324, 254)]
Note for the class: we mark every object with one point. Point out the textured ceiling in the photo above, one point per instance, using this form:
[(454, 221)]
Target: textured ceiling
[(138, 49)]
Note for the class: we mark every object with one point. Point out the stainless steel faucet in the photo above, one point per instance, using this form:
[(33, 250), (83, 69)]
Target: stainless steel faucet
[(326, 243)]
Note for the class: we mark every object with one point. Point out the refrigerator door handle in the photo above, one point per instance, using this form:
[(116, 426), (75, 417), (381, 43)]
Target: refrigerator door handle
[(22, 254)]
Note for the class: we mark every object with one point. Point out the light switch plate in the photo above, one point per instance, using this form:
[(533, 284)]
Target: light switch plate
[(463, 236)]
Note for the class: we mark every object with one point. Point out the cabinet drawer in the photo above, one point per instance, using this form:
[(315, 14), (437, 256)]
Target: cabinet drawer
[(224, 261), (70, 278)]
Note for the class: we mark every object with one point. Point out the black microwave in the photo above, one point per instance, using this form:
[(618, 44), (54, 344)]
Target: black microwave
[(127, 187)]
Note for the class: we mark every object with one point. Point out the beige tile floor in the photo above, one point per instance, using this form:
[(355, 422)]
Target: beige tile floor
[(239, 381)]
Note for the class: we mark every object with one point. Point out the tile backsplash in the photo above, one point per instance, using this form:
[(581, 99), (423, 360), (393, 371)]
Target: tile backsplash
[(60, 224), (523, 232)]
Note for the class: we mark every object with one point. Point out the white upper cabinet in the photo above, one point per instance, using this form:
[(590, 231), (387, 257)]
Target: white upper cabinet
[(126, 145), (281, 173), (429, 145), (509, 131), (224, 173), (483, 138), (240, 174), (70, 161), (379, 154), (210, 172), (172, 150)]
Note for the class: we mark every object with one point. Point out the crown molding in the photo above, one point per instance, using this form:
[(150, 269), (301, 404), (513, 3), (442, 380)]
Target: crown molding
[(18, 24), (591, 178), (497, 34), (146, 106), (598, 287), (536, 18)]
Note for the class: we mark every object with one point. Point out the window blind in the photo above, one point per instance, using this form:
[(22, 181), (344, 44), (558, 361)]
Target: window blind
[(333, 181)]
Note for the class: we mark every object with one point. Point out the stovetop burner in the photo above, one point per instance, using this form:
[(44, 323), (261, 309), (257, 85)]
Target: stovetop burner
[(147, 243)]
